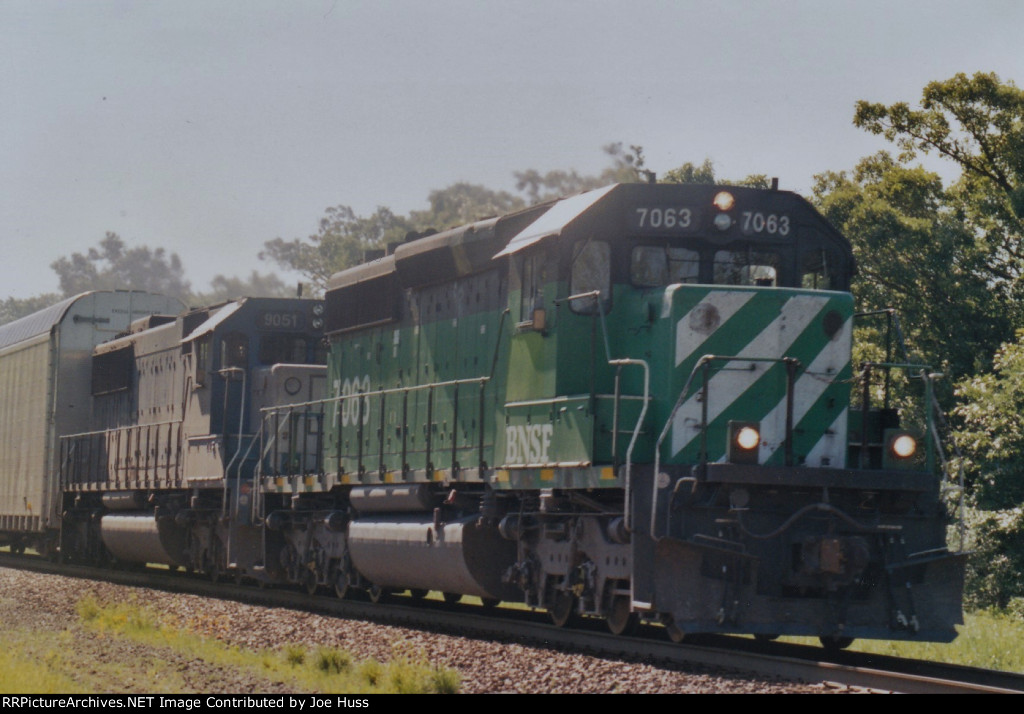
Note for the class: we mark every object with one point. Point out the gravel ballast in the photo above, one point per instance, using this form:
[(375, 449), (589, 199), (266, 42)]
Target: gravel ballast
[(31, 601)]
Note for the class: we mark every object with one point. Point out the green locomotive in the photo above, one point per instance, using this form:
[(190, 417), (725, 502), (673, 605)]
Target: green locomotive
[(632, 403)]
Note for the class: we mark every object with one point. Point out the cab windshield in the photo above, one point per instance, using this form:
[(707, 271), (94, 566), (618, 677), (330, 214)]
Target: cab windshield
[(655, 266)]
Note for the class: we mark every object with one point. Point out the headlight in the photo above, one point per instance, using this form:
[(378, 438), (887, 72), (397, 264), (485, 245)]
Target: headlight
[(902, 450), (747, 438), (744, 442), (904, 446)]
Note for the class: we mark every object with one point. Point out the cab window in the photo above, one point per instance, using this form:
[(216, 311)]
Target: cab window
[(815, 272), (532, 275), (234, 350), (746, 267), (591, 271), (654, 266), (283, 349)]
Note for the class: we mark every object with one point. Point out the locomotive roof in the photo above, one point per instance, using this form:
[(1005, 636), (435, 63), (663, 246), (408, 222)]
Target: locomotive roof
[(470, 247), (552, 221), (209, 324), (438, 256)]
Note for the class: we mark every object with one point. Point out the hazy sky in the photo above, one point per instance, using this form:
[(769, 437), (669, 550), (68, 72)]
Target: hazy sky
[(208, 127)]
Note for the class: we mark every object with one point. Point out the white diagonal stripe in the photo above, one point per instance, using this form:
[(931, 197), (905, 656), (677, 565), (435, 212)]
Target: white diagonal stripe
[(808, 388), (724, 303), (832, 445), (726, 386)]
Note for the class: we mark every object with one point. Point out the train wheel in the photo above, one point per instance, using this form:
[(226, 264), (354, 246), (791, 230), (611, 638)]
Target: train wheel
[(213, 566), (563, 609), (452, 598), (377, 593), (341, 586), (417, 593), (309, 582), (489, 603), (765, 637), (834, 643), (621, 620)]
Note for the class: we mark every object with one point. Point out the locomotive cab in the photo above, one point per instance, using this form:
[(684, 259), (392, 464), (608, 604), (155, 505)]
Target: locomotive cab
[(695, 353)]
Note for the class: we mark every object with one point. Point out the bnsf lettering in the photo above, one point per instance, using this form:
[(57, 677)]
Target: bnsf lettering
[(528, 443)]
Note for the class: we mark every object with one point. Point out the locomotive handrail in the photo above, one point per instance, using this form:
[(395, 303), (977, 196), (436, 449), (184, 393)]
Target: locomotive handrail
[(600, 312), (619, 364), (377, 392), (69, 469), (226, 373), (702, 363), (97, 432), (628, 486), (382, 394), (933, 442)]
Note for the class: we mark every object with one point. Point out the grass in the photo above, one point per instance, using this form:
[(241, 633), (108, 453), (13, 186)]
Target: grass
[(46, 662), (22, 671), (988, 639)]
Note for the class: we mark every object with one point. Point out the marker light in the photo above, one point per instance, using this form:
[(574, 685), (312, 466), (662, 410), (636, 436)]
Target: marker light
[(723, 201), (723, 221)]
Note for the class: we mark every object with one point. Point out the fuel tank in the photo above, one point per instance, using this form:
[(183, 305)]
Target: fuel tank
[(142, 538), (413, 551)]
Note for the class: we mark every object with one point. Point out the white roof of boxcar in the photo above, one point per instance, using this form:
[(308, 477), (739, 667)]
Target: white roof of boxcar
[(38, 323)]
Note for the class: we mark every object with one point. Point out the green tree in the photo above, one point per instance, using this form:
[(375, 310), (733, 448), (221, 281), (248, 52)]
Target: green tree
[(691, 173), (977, 122), (223, 288), (114, 266), (627, 166), (341, 241), (991, 438), (705, 174), (344, 237), (13, 308), (991, 434), (463, 203), (915, 254)]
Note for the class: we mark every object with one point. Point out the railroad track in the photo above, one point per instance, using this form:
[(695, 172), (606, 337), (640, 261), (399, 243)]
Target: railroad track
[(769, 660)]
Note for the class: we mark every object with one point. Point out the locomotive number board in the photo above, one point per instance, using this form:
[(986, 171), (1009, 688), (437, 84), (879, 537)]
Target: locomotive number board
[(665, 219), (683, 220), (281, 320)]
